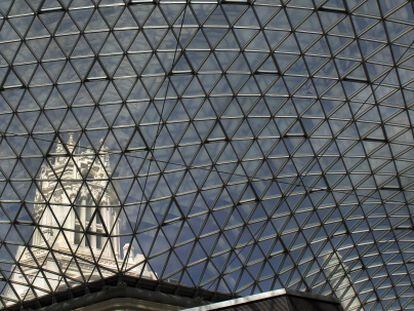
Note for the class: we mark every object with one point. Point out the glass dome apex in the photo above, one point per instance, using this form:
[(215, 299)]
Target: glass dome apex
[(244, 145)]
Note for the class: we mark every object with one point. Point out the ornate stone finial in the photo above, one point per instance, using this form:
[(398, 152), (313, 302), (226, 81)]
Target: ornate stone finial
[(125, 249), (104, 153), (71, 143), (102, 143), (59, 148), (60, 152)]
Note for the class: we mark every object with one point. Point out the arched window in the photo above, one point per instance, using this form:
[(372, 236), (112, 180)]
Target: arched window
[(78, 220), (91, 221)]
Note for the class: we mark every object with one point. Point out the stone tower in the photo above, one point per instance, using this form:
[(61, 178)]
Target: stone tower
[(77, 231)]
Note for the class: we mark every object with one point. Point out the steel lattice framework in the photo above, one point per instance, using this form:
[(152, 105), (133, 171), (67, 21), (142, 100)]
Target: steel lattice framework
[(252, 145)]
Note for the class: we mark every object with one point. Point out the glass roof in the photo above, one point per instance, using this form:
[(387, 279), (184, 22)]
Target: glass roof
[(236, 146)]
